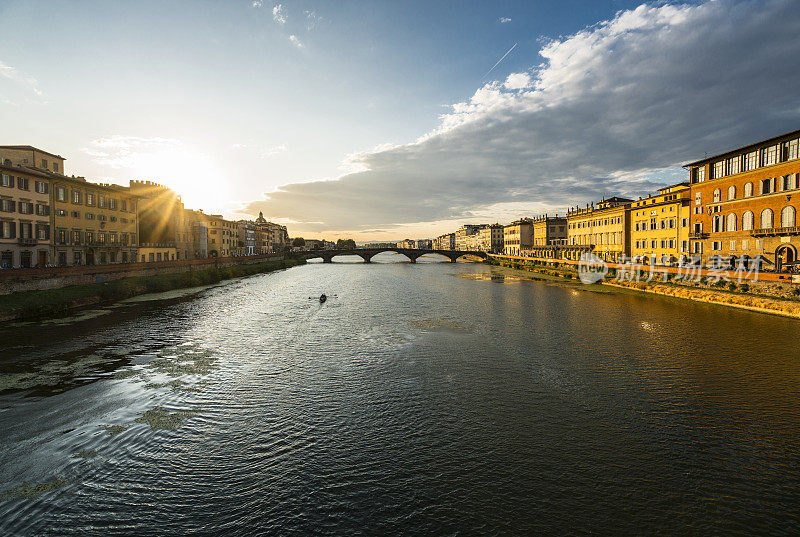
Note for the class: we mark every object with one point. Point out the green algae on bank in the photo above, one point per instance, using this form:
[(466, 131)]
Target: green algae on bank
[(27, 491), (158, 418), (85, 454)]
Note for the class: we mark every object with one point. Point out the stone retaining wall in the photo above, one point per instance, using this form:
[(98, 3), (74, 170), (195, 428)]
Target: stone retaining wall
[(16, 280)]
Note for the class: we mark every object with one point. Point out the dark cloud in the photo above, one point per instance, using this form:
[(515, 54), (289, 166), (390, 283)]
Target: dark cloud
[(650, 89)]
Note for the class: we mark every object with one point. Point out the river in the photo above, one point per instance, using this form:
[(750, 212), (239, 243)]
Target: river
[(420, 399)]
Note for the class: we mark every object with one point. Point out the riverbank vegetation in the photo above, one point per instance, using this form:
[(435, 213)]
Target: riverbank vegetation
[(766, 297), (58, 302)]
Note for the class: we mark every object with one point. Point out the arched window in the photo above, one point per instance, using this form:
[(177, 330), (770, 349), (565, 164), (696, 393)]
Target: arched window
[(731, 192), (748, 190), (766, 219), (731, 223), (787, 216), (717, 196), (747, 221)]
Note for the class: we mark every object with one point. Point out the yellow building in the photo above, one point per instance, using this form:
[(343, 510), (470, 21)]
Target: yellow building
[(25, 233), (604, 227), (93, 223), (660, 226), (223, 236), (518, 236), (157, 252), (549, 231)]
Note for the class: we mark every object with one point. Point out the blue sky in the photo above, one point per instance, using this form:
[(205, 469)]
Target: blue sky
[(353, 118)]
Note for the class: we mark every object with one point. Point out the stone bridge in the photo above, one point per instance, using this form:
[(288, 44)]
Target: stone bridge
[(368, 253)]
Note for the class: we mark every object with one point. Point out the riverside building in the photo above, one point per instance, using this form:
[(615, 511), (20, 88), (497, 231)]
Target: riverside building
[(549, 231), (518, 237), (93, 223), (660, 226), (605, 228), (490, 239), (744, 204), (25, 207)]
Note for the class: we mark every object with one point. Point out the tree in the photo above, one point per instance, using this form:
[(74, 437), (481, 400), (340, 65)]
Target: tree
[(299, 241), (345, 243)]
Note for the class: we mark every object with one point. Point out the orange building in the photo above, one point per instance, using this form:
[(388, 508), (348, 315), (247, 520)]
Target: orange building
[(744, 204)]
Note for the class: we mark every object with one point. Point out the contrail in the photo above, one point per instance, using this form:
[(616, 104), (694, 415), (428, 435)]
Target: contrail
[(498, 61)]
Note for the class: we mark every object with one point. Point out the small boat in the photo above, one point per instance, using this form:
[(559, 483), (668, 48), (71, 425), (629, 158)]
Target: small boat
[(322, 298)]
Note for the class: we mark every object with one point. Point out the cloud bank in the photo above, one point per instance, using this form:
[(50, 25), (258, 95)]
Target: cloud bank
[(599, 113)]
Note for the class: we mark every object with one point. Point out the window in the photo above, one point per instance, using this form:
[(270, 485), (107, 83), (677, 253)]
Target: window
[(748, 190), (698, 198), (732, 245), (61, 194), (101, 201), (42, 187), (112, 204), (789, 182), (769, 155), (8, 206), (734, 165), (730, 224), (745, 245), (61, 212), (766, 219), (747, 221), (765, 186), (8, 230), (760, 244), (25, 207), (684, 222), (76, 196), (75, 214), (6, 180), (716, 245), (44, 163), (112, 237), (719, 169), (55, 166), (89, 237), (23, 183), (716, 224), (76, 237), (123, 205), (133, 239), (751, 161), (43, 210), (791, 149), (61, 236), (731, 193), (90, 198), (90, 216), (42, 232), (699, 174), (717, 196), (787, 216)]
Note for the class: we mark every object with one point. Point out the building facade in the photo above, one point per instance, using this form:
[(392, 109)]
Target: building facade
[(25, 217), (744, 204), (163, 220), (604, 227), (518, 237), (93, 223), (549, 231), (660, 226), (463, 237)]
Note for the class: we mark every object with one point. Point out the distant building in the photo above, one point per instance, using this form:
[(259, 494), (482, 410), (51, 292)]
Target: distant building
[(445, 242), (606, 227), (490, 239), (463, 236), (424, 244), (549, 231), (518, 236)]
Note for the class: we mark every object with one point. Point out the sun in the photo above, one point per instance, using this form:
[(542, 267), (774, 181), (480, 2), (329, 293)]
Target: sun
[(193, 176)]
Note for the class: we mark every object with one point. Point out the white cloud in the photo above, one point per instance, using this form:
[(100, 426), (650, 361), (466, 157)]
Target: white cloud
[(312, 20), (518, 81), (296, 41), (18, 77), (279, 14), (123, 152), (257, 3), (504, 20), (613, 109)]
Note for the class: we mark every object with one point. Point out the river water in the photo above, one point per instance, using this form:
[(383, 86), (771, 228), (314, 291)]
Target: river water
[(422, 399)]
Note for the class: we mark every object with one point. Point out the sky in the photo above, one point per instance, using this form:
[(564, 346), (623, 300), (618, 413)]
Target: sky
[(386, 120)]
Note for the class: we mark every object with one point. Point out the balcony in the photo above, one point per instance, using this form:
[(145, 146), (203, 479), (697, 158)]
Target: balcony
[(27, 241), (766, 232), (698, 235)]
